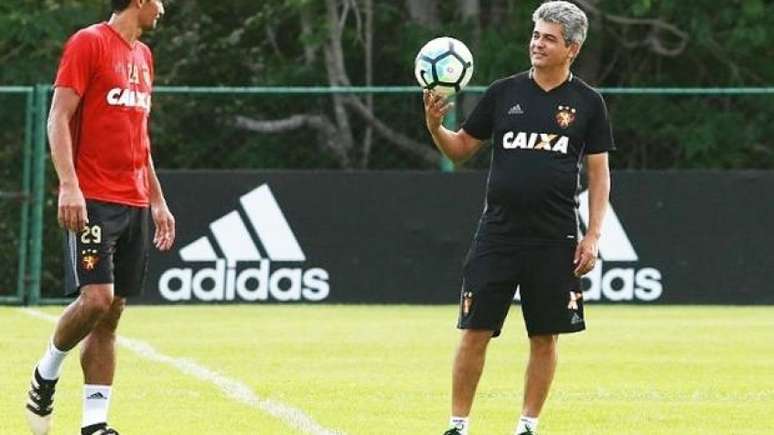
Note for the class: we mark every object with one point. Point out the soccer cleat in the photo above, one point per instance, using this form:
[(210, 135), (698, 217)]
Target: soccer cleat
[(453, 431), (527, 432), (98, 429), (40, 404)]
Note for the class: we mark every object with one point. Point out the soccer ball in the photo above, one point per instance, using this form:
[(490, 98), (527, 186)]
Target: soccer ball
[(444, 66)]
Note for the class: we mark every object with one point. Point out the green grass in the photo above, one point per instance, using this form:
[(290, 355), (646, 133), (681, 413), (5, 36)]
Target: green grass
[(386, 370)]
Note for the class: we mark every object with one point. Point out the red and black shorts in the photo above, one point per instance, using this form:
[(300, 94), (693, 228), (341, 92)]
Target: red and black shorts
[(551, 295), (112, 248)]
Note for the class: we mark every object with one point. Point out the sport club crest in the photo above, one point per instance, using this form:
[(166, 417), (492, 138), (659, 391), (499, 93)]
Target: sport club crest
[(467, 301), (565, 116), (89, 259)]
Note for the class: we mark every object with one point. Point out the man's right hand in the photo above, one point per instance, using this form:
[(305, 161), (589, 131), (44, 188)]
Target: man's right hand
[(436, 107), (71, 213)]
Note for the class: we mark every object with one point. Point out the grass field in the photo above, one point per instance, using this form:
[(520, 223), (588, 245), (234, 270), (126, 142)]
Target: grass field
[(385, 370)]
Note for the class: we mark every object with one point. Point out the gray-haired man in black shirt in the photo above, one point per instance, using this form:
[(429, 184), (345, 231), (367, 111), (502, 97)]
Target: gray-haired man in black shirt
[(543, 124)]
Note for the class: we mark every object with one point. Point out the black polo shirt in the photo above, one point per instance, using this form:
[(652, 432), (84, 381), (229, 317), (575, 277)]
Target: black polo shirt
[(538, 141)]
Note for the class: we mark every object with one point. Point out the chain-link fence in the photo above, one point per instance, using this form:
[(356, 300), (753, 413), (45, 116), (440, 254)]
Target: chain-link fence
[(16, 136), (321, 128)]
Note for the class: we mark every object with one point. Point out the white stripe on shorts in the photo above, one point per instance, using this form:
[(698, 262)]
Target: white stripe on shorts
[(72, 244)]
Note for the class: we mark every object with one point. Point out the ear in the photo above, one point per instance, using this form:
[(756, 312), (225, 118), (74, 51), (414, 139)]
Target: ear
[(574, 50)]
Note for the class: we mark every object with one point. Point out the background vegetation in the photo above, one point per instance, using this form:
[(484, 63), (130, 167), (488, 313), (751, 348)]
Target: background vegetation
[(639, 43), (361, 42)]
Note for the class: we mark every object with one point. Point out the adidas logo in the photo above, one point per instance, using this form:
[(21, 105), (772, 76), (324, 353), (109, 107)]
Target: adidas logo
[(575, 319), (617, 283), (96, 396), (259, 219), (515, 110)]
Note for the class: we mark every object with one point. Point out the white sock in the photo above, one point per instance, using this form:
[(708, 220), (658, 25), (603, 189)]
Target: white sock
[(525, 423), (96, 399), (461, 423), (50, 366)]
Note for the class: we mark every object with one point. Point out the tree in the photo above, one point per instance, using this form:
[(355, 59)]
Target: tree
[(424, 13), (337, 132), (361, 42)]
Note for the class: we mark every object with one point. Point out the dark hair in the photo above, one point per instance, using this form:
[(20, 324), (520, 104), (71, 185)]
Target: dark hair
[(120, 5)]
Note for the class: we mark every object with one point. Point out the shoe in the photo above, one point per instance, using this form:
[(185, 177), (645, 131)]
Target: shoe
[(453, 431), (98, 429), (40, 404), (527, 432)]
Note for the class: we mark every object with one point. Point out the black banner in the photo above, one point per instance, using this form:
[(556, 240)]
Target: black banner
[(400, 237)]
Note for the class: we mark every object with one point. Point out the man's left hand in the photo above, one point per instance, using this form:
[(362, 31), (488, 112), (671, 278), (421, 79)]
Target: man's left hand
[(585, 256), (165, 226)]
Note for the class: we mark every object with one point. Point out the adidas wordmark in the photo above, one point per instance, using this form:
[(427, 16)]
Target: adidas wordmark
[(256, 280)]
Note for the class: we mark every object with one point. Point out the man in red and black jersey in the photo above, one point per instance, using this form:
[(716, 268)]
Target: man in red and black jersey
[(544, 124), (108, 188)]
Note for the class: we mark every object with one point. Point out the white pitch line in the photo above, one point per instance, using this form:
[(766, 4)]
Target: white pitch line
[(232, 388)]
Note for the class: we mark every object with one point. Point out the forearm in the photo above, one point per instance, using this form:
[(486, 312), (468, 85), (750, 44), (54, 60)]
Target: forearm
[(156, 194), (62, 150), (599, 195), (451, 144)]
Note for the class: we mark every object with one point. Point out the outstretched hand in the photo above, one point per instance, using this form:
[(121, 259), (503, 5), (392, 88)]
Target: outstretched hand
[(436, 106)]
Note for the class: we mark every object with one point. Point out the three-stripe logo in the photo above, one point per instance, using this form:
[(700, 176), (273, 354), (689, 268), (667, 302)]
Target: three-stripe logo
[(626, 283), (235, 237)]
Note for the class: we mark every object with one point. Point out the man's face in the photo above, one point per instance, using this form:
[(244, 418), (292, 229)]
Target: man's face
[(547, 48), (150, 12)]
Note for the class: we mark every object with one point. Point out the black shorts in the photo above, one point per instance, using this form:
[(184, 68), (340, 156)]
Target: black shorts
[(551, 295), (113, 248)]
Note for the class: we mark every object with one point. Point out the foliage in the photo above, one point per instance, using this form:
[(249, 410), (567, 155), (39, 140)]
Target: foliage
[(247, 43), (285, 42)]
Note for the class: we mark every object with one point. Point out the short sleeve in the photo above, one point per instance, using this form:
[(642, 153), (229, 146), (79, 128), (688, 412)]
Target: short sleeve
[(149, 63), (479, 123), (75, 67), (599, 136)]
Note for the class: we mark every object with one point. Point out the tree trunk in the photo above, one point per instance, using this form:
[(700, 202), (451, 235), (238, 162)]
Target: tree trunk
[(337, 75), (470, 12), (498, 12), (310, 51), (424, 13), (369, 77), (428, 154), (588, 66)]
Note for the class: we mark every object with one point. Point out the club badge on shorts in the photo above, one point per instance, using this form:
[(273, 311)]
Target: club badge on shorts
[(467, 301), (565, 116), (89, 259), (574, 298)]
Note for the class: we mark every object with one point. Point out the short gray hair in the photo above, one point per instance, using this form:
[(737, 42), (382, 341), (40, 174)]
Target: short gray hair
[(572, 18)]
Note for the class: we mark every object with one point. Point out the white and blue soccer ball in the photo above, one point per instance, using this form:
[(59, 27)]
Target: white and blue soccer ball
[(444, 66)]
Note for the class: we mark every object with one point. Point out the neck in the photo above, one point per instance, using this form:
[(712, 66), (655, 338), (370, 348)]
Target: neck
[(551, 77), (126, 25)]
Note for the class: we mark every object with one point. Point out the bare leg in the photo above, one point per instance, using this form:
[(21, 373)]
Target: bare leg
[(81, 316), (77, 321), (468, 365), (98, 356), (540, 373)]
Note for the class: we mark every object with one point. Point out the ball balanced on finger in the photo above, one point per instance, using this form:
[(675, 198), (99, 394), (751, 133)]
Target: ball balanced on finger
[(444, 66)]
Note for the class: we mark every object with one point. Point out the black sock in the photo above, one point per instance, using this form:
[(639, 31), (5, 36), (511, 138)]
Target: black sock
[(90, 429)]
